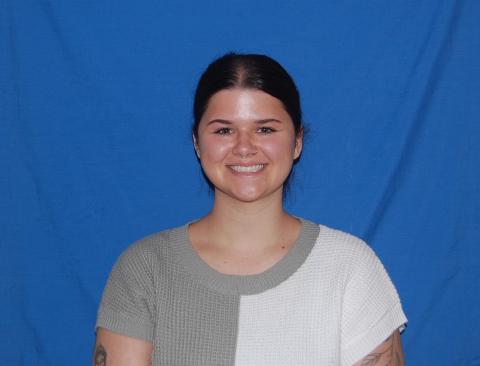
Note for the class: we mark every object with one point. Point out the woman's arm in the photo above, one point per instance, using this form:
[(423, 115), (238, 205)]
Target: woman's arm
[(119, 350), (389, 353)]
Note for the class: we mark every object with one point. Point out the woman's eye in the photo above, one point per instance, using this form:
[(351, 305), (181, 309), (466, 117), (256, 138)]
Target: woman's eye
[(266, 130), (223, 131)]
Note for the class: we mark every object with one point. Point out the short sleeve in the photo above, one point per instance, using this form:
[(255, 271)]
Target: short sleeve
[(371, 307), (127, 305)]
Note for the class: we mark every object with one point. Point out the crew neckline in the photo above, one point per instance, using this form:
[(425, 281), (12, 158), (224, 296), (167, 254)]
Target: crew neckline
[(244, 284)]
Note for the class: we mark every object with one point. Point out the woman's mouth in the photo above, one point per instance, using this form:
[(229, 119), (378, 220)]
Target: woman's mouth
[(247, 169)]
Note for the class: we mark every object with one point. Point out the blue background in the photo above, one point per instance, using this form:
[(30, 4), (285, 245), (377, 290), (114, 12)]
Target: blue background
[(95, 149)]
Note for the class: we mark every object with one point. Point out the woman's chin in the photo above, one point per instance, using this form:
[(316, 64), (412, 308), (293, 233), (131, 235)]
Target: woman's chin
[(249, 195)]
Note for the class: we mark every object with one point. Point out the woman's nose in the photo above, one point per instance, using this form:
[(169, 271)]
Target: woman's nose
[(244, 145)]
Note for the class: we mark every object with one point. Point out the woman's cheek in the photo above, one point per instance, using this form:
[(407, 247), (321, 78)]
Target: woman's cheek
[(278, 148), (216, 151)]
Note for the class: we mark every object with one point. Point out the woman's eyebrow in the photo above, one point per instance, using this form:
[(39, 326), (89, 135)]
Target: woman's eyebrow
[(219, 120), (267, 120), (227, 122)]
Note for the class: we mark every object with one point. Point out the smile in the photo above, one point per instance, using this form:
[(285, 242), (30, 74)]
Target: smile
[(247, 169)]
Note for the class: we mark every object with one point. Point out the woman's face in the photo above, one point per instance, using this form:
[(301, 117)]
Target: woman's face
[(247, 144)]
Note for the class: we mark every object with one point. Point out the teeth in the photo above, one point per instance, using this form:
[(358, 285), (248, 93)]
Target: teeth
[(247, 169)]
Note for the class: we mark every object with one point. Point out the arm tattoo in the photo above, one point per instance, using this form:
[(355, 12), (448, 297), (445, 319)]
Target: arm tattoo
[(100, 356), (388, 354)]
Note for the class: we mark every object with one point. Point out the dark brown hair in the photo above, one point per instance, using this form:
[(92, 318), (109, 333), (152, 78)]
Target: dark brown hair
[(247, 71)]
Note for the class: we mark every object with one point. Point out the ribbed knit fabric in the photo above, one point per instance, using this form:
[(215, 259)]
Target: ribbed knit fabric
[(328, 301)]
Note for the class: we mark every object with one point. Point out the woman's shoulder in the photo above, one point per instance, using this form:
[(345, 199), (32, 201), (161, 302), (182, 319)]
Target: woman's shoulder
[(155, 247), (333, 236), (340, 244), (349, 258)]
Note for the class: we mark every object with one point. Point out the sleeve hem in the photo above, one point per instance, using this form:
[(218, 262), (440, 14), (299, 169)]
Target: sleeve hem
[(130, 327), (394, 319)]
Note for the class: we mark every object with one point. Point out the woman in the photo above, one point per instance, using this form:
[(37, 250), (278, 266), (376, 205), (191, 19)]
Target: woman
[(249, 284)]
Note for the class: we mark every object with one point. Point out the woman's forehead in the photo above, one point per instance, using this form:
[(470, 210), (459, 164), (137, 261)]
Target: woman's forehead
[(244, 104)]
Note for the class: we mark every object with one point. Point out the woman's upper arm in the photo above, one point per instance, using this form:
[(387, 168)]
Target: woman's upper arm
[(387, 353), (119, 350), (371, 312)]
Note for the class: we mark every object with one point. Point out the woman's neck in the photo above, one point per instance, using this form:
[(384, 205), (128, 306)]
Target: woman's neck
[(249, 226), (244, 238)]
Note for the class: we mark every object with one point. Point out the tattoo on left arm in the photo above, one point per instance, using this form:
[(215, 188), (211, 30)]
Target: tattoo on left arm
[(389, 353)]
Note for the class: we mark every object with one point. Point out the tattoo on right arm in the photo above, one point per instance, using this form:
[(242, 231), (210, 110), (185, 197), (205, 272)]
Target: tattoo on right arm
[(100, 356)]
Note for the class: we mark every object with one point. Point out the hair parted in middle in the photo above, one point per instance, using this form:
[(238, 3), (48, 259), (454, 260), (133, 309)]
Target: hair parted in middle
[(250, 71)]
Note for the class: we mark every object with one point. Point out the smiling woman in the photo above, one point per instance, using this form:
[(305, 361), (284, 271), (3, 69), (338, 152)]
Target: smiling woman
[(247, 144), (249, 284)]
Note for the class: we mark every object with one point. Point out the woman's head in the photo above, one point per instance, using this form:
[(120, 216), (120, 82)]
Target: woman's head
[(247, 71), (247, 125)]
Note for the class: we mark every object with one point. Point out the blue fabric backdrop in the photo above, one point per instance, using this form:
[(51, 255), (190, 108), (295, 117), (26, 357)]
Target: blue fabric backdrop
[(95, 149)]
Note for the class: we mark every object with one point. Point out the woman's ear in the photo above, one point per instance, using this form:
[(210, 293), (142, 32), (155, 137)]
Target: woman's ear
[(195, 146), (298, 145)]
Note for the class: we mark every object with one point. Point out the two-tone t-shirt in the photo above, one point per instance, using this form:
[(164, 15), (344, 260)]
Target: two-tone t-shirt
[(328, 301)]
